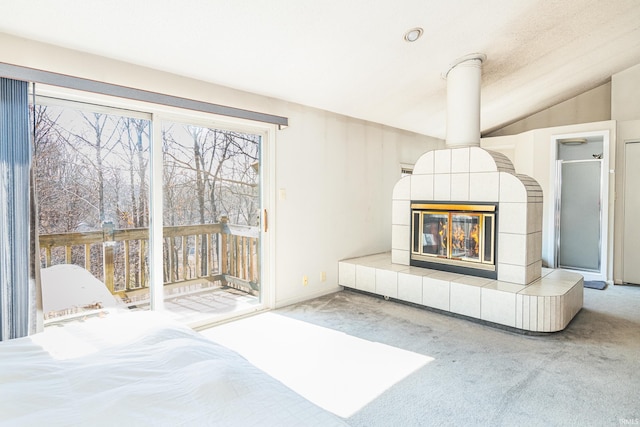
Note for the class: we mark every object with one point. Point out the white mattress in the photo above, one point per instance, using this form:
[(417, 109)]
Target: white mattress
[(140, 369)]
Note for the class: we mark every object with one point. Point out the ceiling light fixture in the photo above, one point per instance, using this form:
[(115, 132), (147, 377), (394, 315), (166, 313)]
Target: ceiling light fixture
[(413, 34), (572, 141)]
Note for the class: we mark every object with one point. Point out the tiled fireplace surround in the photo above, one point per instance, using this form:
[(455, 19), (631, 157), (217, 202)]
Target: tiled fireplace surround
[(525, 296), (467, 175)]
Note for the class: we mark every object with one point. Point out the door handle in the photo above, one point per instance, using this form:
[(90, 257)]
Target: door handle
[(265, 221)]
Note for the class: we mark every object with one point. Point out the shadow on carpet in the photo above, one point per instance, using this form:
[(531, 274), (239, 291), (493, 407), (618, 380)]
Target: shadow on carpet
[(595, 284)]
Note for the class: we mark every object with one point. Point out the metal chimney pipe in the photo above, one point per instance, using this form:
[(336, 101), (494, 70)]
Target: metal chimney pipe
[(463, 102)]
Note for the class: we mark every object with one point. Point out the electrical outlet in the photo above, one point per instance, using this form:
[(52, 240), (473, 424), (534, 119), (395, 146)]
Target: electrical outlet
[(305, 280), (323, 276)]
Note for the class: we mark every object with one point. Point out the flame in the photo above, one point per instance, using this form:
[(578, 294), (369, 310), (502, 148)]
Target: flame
[(443, 237), (458, 238), (460, 242), (474, 235)]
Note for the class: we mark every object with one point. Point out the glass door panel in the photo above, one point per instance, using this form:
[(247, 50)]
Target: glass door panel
[(580, 192), (211, 192), (435, 229), (92, 182), (465, 237)]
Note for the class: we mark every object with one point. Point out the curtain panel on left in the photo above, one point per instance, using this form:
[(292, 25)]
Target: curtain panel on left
[(19, 253)]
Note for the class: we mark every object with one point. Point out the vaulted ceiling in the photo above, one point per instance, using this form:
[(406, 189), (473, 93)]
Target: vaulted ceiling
[(349, 56)]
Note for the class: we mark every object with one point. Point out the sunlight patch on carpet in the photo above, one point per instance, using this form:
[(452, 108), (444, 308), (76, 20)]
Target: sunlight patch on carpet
[(336, 371)]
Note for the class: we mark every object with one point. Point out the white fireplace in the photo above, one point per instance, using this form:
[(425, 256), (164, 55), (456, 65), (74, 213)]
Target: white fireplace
[(464, 209), (461, 178), (467, 231)]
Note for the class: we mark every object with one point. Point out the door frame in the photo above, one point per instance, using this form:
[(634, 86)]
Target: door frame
[(624, 235), (605, 268)]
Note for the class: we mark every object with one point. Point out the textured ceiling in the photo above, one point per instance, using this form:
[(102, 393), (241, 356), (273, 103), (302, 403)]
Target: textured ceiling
[(349, 56)]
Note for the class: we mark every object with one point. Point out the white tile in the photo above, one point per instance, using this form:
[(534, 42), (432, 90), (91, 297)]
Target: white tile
[(513, 217), (422, 187), (503, 163), (460, 160), (373, 259), (533, 312), (534, 247), (520, 312), (347, 274), (442, 161), (400, 237), (547, 314), (365, 278), (424, 165), (564, 276), (541, 316), (473, 280), (534, 217), (512, 189), (532, 271), (533, 189), (481, 161), (419, 271), (512, 273), (505, 286), (410, 287), (460, 187), (435, 293), (442, 187), (401, 212), (554, 309), (387, 283), (402, 189), (445, 275), (465, 299), (399, 256), (512, 249), (498, 307), (386, 264), (484, 187)]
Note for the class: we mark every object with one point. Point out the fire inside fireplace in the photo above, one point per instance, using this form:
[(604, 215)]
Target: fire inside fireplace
[(454, 237)]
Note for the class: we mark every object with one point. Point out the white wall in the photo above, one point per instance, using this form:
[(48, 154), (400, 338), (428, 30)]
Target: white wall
[(530, 150), (625, 109), (336, 172), (533, 154), (625, 94), (591, 106)]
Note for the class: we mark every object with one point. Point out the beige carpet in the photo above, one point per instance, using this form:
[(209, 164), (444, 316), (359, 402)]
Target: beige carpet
[(457, 372)]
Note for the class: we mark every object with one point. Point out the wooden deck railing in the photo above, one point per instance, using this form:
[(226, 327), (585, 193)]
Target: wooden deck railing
[(219, 252)]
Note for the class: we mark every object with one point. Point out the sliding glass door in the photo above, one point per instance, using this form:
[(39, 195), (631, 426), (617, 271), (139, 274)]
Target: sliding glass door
[(141, 212)]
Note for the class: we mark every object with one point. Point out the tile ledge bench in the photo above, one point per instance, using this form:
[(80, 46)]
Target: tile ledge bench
[(545, 305)]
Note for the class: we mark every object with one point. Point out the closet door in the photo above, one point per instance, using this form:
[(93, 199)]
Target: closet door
[(631, 235)]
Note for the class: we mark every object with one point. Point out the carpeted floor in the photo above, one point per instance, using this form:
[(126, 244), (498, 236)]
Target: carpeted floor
[(587, 375)]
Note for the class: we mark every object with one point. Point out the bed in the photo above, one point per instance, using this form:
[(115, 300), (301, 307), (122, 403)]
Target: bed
[(140, 368)]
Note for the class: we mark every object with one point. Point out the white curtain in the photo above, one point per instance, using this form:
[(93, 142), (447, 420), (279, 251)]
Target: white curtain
[(19, 260)]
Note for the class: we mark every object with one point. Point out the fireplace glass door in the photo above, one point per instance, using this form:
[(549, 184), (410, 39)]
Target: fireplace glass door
[(460, 235), (435, 229), (465, 241)]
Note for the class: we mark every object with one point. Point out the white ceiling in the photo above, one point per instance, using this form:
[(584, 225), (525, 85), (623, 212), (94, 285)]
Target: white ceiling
[(349, 56)]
